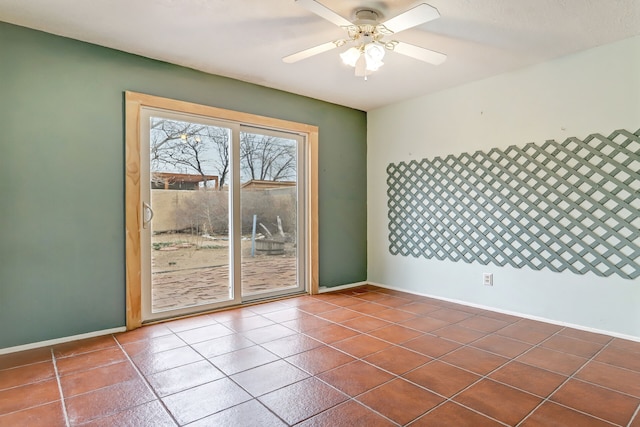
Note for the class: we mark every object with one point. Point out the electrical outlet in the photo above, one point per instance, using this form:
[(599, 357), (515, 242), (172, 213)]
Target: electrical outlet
[(487, 279)]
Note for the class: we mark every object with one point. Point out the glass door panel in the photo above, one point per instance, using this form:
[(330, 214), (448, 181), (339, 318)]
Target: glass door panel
[(187, 216), (272, 232)]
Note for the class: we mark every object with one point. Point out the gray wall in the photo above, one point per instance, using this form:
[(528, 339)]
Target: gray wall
[(62, 177)]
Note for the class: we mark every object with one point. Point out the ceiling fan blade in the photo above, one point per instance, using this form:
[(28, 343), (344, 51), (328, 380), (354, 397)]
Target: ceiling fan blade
[(324, 12), (420, 53), (304, 54), (412, 17)]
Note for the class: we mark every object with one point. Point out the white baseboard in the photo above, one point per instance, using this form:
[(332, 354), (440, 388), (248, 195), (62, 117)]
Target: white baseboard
[(514, 313), (324, 289), (49, 343)]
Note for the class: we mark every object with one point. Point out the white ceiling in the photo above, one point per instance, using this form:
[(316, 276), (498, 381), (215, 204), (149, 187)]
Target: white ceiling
[(246, 39)]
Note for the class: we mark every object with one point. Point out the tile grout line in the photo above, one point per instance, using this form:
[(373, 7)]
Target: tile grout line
[(430, 332), (186, 345), (439, 359), (256, 398), (481, 378), (512, 359), (545, 399), (146, 383), (636, 415), (227, 376), (569, 378), (448, 400), (329, 345), (395, 376), (400, 376), (423, 332), (349, 398), (417, 315), (64, 406), (486, 376), (315, 376), (469, 344), (311, 376)]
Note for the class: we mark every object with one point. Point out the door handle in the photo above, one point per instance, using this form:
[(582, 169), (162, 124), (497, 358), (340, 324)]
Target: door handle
[(147, 214)]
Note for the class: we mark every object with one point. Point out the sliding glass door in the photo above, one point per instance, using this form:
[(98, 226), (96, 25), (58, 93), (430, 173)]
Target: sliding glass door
[(223, 213)]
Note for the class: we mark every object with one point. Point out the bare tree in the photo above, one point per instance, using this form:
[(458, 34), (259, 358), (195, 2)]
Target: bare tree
[(179, 146), (186, 147), (267, 158), (220, 143)]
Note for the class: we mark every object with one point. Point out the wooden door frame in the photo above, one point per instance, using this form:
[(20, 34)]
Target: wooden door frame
[(133, 199)]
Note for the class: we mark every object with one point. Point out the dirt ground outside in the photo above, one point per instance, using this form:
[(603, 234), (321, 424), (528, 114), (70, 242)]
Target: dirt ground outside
[(189, 270)]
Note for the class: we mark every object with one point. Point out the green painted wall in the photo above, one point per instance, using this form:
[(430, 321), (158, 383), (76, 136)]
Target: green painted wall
[(62, 244)]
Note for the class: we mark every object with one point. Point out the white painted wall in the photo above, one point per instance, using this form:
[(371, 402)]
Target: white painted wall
[(596, 91)]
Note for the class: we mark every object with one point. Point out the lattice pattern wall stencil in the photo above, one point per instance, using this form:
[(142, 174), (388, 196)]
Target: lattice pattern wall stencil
[(561, 206)]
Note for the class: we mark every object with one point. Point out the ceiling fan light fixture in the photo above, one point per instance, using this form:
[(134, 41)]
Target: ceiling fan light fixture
[(373, 66), (361, 69), (368, 36), (374, 51), (373, 55), (350, 56)]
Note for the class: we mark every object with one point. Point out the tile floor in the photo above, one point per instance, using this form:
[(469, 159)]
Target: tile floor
[(361, 357)]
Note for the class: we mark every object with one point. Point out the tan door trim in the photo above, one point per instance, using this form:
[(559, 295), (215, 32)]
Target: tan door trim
[(133, 213)]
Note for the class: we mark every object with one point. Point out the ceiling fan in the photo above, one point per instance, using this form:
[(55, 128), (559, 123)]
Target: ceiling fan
[(369, 38)]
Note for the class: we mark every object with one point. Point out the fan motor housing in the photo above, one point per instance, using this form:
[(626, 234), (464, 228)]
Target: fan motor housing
[(367, 16)]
